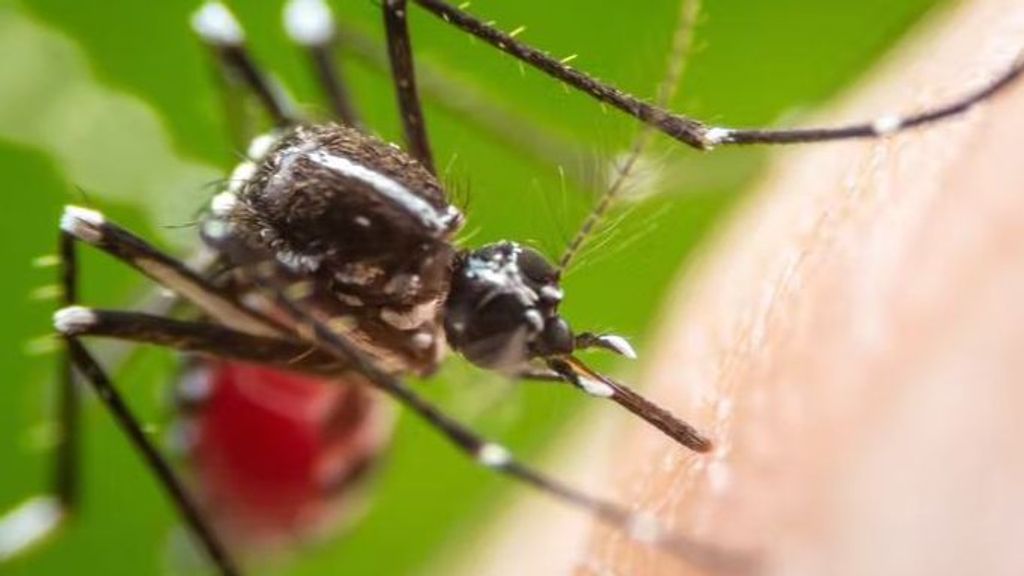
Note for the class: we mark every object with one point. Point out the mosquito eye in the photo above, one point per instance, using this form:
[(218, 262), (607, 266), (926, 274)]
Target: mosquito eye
[(490, 331), (557, 338)]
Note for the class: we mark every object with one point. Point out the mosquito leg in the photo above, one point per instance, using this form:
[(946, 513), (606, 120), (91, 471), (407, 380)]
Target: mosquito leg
[(38, 518), (129, 424), (881, 126), (686, 130), (66, 482), (469, 104), (92, 228), (219, 29), (694, 132), (197, 337), (641, 527), (404, 77), (310, 24)]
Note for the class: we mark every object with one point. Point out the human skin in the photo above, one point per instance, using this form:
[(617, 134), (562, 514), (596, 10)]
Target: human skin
[(853, 341)]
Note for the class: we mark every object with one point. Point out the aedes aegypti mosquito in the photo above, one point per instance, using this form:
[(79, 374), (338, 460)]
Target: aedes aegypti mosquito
[(334, 259)]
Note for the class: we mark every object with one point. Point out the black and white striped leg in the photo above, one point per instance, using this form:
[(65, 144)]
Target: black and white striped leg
[(79, 224), (86, 365), (310, 24), (197, 337), (404, 77), (39, 517), (695, 132), (641, 527), (214, 23), (90, 227), (465, 101)]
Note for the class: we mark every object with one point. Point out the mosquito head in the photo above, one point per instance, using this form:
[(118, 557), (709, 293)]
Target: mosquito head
[(502, 308)]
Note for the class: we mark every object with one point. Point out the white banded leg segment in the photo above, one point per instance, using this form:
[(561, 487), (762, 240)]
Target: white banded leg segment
[(309, 22), (73, 320), (28, 525), (493, 455), (90, 227), (885, 125), (216, 25), (714, 136), (83, 223)]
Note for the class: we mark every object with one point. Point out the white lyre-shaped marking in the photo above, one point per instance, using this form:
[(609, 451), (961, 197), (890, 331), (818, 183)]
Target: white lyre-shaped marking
[(429, 216)]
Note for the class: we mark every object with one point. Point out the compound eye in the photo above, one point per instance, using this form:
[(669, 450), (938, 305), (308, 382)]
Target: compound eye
[(558, 337)]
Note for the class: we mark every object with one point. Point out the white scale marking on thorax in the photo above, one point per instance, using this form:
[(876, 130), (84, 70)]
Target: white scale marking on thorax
[(415, 205)]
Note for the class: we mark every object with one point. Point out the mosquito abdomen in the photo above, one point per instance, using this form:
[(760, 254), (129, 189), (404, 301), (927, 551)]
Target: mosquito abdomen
[(275, 455)]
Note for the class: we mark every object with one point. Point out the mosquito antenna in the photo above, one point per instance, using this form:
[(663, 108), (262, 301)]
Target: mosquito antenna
[(682, 45)]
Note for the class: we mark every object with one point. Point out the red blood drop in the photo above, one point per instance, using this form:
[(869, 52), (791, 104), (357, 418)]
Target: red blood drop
[(270, 445)]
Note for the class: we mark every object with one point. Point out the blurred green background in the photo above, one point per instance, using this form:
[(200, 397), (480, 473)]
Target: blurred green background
[(112, 104)]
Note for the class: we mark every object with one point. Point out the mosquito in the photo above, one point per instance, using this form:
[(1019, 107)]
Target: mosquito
[(335, 273)]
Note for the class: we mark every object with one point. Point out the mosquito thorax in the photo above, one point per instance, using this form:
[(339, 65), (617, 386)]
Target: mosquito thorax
[(502, 307), (367, 228)]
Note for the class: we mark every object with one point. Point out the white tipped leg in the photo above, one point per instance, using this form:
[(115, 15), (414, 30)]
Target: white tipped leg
[(83, 223), (308, 22), (214, 23), (28, 525), (73, 320)]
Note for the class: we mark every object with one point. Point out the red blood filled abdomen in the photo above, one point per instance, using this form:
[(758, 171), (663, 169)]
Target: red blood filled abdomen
[(274, 453)]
